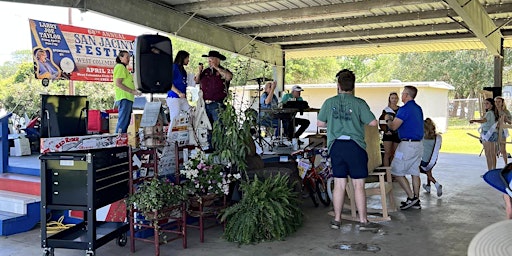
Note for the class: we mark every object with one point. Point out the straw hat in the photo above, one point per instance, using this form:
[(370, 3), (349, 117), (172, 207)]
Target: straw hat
[(494, 240)]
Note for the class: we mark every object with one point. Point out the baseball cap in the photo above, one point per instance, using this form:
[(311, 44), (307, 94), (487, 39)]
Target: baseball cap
[(297, 88), (500, 179)]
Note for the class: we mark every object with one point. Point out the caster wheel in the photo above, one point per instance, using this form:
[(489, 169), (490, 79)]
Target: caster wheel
[(122, 240), (48, 252)]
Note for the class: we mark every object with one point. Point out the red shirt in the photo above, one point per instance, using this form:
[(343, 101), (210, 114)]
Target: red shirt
[(213, 86)]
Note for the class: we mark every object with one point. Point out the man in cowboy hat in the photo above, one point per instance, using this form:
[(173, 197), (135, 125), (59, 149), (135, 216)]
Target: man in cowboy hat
[(214, 82)]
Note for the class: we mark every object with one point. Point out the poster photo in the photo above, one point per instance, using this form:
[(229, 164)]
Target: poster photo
[(65, 52)]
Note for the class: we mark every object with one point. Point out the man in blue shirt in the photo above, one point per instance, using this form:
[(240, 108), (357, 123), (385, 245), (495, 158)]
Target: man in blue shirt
[(409, 123)]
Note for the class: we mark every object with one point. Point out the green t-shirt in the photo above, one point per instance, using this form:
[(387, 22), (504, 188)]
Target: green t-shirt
[(120, 71), (345, 115), (288, 96)]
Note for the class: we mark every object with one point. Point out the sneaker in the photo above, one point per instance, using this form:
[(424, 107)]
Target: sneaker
[(369, 226), (409, 203), (417, 205), (426, 188), (405, 202), (439, 189), (335, 224)]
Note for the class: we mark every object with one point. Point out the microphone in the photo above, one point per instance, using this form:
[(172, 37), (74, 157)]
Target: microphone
[(261, 79)]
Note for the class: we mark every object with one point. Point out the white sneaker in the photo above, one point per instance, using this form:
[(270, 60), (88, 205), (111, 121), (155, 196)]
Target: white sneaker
[(426, 188), (439, 189)]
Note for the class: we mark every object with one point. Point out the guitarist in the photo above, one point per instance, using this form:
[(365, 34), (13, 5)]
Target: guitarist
[(44, 68)]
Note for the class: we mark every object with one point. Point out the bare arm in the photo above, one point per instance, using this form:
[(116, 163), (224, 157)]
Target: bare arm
[(373, 123), (175, 90), (270, 95), (480, 121), (321, 124), (119, 83), (226, 74), (393, 125), (197, 76)]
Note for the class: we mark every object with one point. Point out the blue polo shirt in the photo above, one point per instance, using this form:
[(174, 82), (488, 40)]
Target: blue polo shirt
[(412, 116)]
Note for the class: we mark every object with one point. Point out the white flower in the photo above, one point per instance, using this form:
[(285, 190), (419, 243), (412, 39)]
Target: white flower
[(238, 176)]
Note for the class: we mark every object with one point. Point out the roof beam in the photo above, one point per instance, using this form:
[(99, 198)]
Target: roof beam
[(377, 42), (315, 25), (347, 9), (382, 32), (213, 4), (478, 20), (163, 18)]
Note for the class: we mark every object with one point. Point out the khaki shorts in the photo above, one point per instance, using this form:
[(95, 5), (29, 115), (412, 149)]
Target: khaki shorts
[(407, 158)]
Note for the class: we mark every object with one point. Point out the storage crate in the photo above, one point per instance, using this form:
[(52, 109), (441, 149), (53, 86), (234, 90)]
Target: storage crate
[(97, 121)]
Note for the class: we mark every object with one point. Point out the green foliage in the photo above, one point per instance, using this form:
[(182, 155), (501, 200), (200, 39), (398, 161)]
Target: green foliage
[(155, 195), (269, 210), (230, 135)]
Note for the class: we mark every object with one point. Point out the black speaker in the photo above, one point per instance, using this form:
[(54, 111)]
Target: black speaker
[(496, 91), (153, 63)]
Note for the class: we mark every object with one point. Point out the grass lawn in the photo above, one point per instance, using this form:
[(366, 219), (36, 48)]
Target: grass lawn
[(457, 140)]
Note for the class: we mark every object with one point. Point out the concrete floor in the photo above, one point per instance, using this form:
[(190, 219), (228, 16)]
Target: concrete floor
[(445, 226)]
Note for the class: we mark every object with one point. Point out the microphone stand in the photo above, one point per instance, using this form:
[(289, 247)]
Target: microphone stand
[(259, 80)]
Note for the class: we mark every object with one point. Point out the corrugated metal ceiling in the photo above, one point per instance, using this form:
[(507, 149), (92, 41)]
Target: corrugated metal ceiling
[(313, 28)]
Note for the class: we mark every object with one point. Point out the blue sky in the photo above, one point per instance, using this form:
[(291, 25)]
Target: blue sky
[(15, 16)]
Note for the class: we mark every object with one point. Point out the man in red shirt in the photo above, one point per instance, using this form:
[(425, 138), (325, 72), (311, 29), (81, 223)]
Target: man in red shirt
[(214, 82)]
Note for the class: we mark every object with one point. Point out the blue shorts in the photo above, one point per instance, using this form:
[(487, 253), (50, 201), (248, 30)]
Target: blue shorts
[(348, 159)]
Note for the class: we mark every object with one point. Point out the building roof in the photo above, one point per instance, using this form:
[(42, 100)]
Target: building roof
[(317, 28)]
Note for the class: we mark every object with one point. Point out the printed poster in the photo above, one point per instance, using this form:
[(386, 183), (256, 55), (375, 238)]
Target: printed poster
[(65, 52)]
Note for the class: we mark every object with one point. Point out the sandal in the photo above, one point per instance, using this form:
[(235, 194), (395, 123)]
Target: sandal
[(335, 224)]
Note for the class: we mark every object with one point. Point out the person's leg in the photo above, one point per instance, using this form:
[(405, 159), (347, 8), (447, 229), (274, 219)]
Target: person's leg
[(174, 110), (360, 197), (124, 115), (508, 206), (338, 197), (288, 128), (416, 182), (430, 178), (404, 184), (388, 152), (303, 123), (503, 151), (490, 154)]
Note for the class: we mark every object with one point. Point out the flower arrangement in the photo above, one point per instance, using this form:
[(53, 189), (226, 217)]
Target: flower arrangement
[(155, 195), (203, 176)]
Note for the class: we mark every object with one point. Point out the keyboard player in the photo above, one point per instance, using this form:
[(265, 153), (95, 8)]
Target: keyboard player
[(290, 124)]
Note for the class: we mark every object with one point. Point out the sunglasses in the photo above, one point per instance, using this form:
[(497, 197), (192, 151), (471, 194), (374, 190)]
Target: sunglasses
[(503, 174)]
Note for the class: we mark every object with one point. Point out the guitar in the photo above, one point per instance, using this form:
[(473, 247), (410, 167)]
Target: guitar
[(42, 67)]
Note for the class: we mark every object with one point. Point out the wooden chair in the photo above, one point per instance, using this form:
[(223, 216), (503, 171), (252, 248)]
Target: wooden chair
[(383, 187), (379, 181)]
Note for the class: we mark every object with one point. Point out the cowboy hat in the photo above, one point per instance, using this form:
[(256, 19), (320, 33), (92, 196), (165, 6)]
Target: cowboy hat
[(215, 54)]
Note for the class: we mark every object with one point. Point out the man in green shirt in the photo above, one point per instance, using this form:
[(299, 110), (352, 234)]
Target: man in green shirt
[(345, 116)]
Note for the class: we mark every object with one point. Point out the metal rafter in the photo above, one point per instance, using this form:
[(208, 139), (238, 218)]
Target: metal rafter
[(478, 20), (333, 23), (213, 4), (347, 9)]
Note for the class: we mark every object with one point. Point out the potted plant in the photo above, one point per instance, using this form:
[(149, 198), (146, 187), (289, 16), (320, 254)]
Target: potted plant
[(154, 196), (205, 180), (269, 210)]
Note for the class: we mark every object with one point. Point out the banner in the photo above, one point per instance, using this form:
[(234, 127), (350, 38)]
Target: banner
[(74, 53)]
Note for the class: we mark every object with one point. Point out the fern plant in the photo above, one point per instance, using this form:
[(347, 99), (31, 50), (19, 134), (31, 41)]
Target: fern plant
[(269, 210)]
